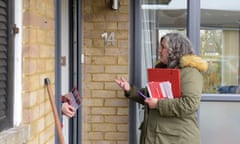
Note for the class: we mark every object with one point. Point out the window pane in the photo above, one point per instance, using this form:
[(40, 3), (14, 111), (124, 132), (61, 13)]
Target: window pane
[(220, 45)]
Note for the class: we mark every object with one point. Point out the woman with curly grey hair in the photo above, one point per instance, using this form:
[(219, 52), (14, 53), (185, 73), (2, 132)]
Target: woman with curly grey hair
[(172, 121)]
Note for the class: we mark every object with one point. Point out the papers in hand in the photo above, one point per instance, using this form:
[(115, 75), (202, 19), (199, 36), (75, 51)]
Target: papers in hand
[(75, 98), (160, 90)]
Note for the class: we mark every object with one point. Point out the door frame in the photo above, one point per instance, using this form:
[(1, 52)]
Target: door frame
[(73, 61)]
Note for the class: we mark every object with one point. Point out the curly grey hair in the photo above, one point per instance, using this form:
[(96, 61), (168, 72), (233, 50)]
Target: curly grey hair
[(178, 46)]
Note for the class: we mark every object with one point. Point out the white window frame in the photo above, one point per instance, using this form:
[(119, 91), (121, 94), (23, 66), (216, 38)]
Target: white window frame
[(17, 98)]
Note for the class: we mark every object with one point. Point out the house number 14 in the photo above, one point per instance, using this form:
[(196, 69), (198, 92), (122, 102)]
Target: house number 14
[(108, 38)]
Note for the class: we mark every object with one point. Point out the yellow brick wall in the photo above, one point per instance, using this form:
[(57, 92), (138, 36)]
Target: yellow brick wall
[(38, 63), (105, 109)]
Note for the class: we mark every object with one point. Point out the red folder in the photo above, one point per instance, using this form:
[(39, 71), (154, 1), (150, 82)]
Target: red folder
[(171, 75)]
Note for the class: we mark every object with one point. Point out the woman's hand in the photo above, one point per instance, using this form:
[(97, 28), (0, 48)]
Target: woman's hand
[(152, 102), (68, 110), (123, 84)]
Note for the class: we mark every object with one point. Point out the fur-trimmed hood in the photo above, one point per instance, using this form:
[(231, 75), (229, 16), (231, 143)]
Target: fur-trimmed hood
[(194, 61)]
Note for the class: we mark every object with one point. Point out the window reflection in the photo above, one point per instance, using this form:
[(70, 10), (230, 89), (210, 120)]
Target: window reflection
[(221, 49), (220, 45)]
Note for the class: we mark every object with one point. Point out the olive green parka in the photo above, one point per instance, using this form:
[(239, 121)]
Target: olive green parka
[(174, 121)]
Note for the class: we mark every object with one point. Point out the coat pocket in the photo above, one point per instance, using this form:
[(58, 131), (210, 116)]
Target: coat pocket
[(167, 136)]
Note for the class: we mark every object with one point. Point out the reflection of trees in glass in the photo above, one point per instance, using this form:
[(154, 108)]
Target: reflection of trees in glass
[(211, 42), (211, 50), (212, 78)]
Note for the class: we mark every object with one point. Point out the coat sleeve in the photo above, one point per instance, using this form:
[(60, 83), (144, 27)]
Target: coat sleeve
[(192, 85), (133, 95)]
